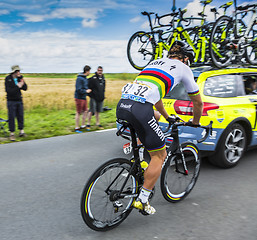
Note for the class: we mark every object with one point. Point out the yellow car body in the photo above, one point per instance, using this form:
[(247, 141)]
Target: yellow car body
[(231, 107)]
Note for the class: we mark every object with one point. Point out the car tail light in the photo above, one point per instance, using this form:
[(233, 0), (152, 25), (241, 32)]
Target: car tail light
[(183, 107), (186, 107)]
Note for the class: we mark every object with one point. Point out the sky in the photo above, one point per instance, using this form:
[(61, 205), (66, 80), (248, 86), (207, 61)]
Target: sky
[(62, 36)]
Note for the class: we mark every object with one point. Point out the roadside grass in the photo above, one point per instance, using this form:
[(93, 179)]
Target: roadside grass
[(49, 107), (44, 123)]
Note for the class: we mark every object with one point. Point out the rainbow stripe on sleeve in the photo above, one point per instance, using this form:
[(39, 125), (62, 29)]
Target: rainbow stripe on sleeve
[(193, 93), (161, 79)]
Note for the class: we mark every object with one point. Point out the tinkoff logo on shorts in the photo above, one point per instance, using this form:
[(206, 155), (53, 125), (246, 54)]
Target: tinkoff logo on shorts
[(133, 97), (122, 105), (155, 126)]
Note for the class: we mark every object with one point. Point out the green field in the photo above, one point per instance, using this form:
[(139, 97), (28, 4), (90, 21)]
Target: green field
[(49, 103)]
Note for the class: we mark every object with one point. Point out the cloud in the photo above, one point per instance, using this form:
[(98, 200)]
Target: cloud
[(135, 20), (4, 12), (195, 7), (89, 16), (4, 26), (52, 51)]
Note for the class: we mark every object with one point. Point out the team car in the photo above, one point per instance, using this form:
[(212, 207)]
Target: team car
[(229, 100)]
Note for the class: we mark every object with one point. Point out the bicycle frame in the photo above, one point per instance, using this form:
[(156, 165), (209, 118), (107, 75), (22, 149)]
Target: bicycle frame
[(136, 163), (181, 33), (175, 149)]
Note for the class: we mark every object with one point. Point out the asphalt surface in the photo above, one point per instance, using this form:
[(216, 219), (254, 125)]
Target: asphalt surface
[(41, 182)]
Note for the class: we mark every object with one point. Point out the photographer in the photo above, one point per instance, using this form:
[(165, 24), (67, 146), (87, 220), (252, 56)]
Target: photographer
[(14, 83)]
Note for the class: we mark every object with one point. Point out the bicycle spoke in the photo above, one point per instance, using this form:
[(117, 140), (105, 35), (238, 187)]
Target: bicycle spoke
[(140, 50)]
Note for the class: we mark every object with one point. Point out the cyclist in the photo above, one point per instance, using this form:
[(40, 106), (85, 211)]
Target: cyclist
[(136, 106)]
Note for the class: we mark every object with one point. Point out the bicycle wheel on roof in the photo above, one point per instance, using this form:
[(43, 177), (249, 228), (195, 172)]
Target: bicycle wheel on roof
[(222, 45), (140, 50)]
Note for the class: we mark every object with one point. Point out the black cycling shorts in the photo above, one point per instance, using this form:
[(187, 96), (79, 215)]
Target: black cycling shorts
[(141, 117)]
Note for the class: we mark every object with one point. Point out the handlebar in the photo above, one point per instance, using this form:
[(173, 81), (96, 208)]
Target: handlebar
[(158, 18), (147, 13), (177, 123)]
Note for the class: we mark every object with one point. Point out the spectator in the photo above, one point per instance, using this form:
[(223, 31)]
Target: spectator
[(14, 83), (80, 98), (97, 85)]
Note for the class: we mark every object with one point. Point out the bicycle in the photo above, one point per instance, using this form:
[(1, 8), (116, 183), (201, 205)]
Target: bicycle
[(109, 193), (143, 47), (232, 40)]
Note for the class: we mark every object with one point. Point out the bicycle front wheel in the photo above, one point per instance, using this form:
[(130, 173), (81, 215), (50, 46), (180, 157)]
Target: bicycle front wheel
[(103, 204), (140, 50), (222, 46), (178, 177)]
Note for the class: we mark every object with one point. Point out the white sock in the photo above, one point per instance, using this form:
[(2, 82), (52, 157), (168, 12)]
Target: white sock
[(144, 195)]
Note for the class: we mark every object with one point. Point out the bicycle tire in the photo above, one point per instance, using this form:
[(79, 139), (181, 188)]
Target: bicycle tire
[(221, 38), (251, 49), (175, 185), (99, 208), (140, 50)]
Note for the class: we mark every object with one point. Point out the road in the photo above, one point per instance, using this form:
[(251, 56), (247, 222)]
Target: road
[(41, 183)]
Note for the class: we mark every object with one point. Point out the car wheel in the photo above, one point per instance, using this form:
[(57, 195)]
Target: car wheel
[(230, 148)]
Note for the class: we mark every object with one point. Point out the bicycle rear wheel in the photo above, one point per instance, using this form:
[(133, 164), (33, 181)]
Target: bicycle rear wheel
[(176, 183), (221, 46), (251, 49), (101, 207), (140, 50)]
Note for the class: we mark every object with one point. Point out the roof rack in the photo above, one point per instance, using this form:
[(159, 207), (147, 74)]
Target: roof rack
[(244, 65), (208, 66)]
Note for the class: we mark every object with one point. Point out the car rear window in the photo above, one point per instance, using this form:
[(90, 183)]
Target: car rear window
[(178, 92), (223, 86)]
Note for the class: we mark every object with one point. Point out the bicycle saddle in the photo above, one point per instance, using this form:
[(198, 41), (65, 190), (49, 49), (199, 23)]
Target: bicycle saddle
[(226, 5), (206, 1)]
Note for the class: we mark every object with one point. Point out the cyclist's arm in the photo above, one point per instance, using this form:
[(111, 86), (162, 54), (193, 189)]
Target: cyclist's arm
[(193, 92), (159, 106), (197, 108)]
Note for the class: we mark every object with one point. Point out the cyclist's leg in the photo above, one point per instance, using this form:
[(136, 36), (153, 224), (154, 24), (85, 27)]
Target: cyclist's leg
[(154, 169), (147, 128), (154, 141), (157, 116), (151, 176)]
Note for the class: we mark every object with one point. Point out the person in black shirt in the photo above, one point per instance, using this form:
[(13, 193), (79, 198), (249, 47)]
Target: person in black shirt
[(14, 83), (97, 84)]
